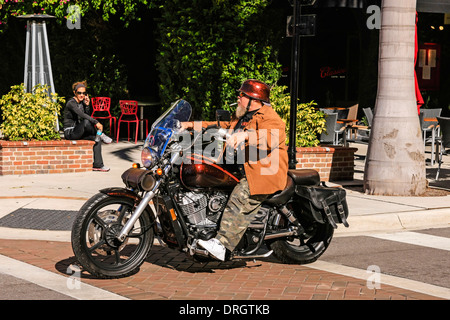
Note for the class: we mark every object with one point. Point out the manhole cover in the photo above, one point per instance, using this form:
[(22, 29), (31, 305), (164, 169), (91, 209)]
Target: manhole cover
[(39, 219)]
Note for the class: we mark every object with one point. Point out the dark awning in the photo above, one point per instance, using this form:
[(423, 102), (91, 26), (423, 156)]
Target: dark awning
[(359, 4), (434, 6)]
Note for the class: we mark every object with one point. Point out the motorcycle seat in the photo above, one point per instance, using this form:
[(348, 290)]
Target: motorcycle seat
[(281, 197), (305, 177)]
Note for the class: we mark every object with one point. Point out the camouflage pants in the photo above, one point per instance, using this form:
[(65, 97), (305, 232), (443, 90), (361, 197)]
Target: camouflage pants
[(240, 211)]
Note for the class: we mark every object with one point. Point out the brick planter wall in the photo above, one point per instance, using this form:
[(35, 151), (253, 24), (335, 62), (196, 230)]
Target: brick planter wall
[(43, 157), (333, 163)]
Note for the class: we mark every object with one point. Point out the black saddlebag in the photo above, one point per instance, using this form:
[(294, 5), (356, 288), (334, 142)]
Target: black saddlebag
[(324, 204)]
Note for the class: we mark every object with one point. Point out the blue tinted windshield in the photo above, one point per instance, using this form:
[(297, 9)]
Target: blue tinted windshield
[(162, 129)]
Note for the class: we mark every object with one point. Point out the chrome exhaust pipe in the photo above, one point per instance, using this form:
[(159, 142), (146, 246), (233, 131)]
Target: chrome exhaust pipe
[(265, 255), (280, 235)]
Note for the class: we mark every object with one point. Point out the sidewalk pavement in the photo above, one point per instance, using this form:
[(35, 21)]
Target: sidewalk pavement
[(368, 213)]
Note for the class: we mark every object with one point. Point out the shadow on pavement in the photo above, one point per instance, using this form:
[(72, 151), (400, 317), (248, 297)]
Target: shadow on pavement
[(166, 258), (126, 153)]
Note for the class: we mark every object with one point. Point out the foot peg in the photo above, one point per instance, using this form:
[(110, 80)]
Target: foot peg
[(256, 256), (194, 249)]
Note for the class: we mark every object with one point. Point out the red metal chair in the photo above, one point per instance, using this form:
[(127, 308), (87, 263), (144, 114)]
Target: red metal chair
[(101, 110), (129, 110)]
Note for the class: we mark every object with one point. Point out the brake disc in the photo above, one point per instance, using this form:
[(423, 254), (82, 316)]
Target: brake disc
[(96, 233)]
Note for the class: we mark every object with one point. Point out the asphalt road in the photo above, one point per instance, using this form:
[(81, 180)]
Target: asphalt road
[(419, 255), (13, 288)]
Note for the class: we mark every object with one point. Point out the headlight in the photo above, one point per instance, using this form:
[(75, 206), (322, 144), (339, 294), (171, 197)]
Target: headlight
[(149, 157)]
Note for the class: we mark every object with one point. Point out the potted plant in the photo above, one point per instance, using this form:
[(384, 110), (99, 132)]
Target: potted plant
[(332, 162), (310, 121)]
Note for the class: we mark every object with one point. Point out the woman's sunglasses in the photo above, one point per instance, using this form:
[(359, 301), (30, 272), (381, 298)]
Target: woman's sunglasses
[(80, 93)]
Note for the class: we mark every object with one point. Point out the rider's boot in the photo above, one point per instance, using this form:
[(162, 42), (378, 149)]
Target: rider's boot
[(214, 247)]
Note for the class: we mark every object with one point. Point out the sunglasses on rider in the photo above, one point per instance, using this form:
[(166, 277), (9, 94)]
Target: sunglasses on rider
[(80, 93), (241, 95)]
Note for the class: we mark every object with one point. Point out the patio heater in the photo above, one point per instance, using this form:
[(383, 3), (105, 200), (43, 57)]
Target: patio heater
[(301, 26), (38, 68)]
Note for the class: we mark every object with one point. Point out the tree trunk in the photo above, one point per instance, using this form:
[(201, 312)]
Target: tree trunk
[(395, 163)]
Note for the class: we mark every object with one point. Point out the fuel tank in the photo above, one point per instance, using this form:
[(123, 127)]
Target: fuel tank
[(200, 173)]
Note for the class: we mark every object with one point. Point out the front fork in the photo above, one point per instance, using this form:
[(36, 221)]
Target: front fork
[(144, 202)]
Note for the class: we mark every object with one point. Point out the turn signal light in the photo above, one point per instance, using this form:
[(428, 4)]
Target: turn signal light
[(159, 172), (136, 165), (172, 213)]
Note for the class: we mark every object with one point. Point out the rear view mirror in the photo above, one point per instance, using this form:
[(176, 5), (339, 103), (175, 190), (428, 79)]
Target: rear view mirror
[(222, 115)]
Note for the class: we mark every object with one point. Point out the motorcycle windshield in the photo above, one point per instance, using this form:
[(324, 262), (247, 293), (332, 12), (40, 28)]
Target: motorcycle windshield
[(162, 128)]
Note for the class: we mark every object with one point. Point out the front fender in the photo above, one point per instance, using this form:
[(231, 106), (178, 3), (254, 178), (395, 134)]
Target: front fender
[(122, 192)]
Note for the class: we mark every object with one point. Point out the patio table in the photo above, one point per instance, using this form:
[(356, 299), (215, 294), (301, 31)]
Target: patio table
[(142, 105)]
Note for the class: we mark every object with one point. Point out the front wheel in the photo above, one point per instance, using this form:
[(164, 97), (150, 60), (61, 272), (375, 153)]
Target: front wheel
[(306, 248), (93, 237)]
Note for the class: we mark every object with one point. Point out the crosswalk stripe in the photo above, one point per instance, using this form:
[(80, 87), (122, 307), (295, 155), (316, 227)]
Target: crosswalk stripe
[(419, 239), (53, 281), (407, 284)]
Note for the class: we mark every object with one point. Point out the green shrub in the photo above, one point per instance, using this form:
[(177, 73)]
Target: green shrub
[(30, 116), (208, 48), (310, 121)]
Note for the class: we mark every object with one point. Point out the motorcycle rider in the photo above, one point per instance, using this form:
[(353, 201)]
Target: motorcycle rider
[(265, 168)]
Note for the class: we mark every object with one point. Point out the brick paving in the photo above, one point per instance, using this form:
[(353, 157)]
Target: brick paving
[(169, 275)]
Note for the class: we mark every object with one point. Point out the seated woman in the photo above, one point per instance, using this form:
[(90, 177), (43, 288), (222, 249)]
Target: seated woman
[(78, 124)]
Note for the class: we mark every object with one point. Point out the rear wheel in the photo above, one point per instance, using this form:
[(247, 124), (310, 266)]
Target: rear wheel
[(93, 237), (306, 248)]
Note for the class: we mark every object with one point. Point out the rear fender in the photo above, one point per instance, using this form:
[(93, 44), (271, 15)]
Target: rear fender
[(122, 192)]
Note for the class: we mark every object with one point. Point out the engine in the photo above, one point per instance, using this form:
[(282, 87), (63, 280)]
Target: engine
[(202, 209)]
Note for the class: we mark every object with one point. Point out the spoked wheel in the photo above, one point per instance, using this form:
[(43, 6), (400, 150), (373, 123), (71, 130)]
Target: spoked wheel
[(94, 240), (306, 248)]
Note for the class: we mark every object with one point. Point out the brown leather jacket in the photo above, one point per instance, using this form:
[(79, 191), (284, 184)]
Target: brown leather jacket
[(266, 162)]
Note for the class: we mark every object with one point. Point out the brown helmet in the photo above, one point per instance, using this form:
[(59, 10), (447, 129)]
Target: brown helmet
[(256, 89)]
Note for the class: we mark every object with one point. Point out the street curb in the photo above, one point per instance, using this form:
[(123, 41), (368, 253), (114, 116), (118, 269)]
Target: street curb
[(395, 221), (39, 235), (359, 225), (45, 197)]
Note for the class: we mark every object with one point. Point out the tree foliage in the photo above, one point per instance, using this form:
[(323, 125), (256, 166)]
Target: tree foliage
[(128, 9), (206, 48)]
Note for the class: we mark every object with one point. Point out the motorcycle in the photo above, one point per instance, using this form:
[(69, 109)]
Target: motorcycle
[(179, 195)]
